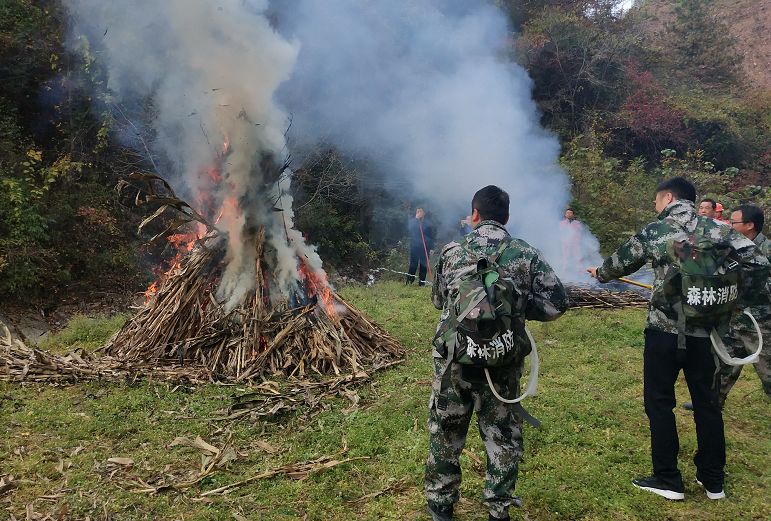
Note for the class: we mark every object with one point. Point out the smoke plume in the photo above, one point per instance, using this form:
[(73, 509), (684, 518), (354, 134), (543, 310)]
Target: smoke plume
[(427, 93), (211, 70)]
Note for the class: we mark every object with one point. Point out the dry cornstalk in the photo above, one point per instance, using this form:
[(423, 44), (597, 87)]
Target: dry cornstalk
[(184, 323), (585, 296)]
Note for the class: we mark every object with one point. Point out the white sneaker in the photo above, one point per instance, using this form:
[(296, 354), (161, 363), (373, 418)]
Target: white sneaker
[(655, 485), (712, 495)]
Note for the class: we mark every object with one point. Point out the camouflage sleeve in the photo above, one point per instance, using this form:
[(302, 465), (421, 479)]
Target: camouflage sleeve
[(627, 259), (439, 287), (755, 272), (549, 298)]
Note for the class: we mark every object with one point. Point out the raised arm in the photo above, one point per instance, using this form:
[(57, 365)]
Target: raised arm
[(627, 259)]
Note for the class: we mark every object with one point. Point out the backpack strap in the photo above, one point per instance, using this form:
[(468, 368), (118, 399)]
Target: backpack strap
[(723, 354), (680, 312), (445, 382)]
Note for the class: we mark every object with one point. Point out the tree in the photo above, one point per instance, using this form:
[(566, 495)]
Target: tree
[(577, 64), (702, 44)]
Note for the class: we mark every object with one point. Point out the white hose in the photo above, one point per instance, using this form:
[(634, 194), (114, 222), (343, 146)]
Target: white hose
[(727, 359), (532, 382)]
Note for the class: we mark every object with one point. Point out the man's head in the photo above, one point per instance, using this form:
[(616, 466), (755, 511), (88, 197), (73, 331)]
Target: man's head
[(748, 220), (718, 211), (707, 208), (419, 213), (674, 189), (490, 203), (570, 214)]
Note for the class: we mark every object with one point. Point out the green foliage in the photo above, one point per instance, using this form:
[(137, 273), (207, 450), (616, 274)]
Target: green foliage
[(337, 235), (703, 47), (722, 185), (615, 199), (59, 222), (731, 131), (577, 64), (84, 332)]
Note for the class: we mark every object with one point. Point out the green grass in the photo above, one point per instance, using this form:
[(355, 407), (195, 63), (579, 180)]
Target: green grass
[(594, 438), (84, 332)]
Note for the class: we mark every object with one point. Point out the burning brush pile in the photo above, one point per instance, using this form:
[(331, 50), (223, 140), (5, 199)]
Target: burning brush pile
[(195, 315), (245, 297)]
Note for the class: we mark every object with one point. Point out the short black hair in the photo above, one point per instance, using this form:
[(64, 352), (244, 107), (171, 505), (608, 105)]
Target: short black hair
[(569, 209), (492, 203), (679, 187), (710, 201), (752, 214)]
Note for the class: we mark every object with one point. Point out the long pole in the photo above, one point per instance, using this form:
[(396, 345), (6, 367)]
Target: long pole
[(425, 250), (635, 283)]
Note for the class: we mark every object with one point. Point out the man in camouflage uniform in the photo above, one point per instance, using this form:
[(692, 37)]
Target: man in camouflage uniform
[(500, 426), (748, 220), (662, 359)]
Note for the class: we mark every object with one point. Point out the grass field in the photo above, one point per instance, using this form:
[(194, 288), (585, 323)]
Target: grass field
[(593, 441)]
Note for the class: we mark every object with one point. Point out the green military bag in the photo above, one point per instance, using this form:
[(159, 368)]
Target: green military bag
[(704, 283), (486, 326), (703, 289)]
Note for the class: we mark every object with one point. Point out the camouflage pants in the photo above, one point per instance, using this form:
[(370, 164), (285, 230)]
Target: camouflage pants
[(499, 428), (742, 343)]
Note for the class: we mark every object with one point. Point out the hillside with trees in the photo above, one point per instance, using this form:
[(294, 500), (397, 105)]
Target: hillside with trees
[(666, 88)]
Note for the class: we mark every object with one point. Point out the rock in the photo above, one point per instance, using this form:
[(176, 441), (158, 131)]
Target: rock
[(31, 330)]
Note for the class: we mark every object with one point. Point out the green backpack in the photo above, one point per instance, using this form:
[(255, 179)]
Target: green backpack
[(702, 289), (486, 326)]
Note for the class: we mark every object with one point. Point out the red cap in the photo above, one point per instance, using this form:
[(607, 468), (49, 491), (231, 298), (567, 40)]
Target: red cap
[(718, 207)]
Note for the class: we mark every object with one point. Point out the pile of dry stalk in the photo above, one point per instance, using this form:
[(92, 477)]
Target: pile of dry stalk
[(184, 324), (21, 363), (183, 329), (586, 296)]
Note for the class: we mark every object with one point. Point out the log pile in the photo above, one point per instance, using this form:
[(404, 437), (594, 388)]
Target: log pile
[(593, 297)]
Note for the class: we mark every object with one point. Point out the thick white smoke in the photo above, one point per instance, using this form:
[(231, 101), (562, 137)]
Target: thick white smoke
[(211, 70), (425, 92)]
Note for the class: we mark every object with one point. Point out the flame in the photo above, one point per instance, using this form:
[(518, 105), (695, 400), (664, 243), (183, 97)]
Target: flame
[(182, 243), (316, 284)]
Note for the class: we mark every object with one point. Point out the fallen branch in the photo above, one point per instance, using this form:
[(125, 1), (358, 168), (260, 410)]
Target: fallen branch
[(298, 471)]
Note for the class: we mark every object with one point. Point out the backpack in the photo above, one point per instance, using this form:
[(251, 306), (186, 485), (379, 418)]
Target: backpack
[(486, 324), (702, 288)]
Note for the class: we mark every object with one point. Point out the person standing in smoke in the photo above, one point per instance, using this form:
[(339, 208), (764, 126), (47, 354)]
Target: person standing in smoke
[(421, 246), (571, 230)]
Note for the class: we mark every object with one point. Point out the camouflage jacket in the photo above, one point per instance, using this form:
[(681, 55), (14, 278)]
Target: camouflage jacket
[(764, 245), (761, 311), (674, 222), (532, 275)]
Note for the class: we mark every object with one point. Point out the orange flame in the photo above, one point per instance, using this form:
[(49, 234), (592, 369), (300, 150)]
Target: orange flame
[(316, 284)]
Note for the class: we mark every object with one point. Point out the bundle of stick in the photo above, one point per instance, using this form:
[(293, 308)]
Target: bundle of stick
[(586, 296), (184, 323), (21, 363)]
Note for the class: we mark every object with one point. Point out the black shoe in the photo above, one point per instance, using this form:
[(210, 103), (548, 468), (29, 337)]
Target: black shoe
[(657, 486), (440, 512), (493, 518)]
